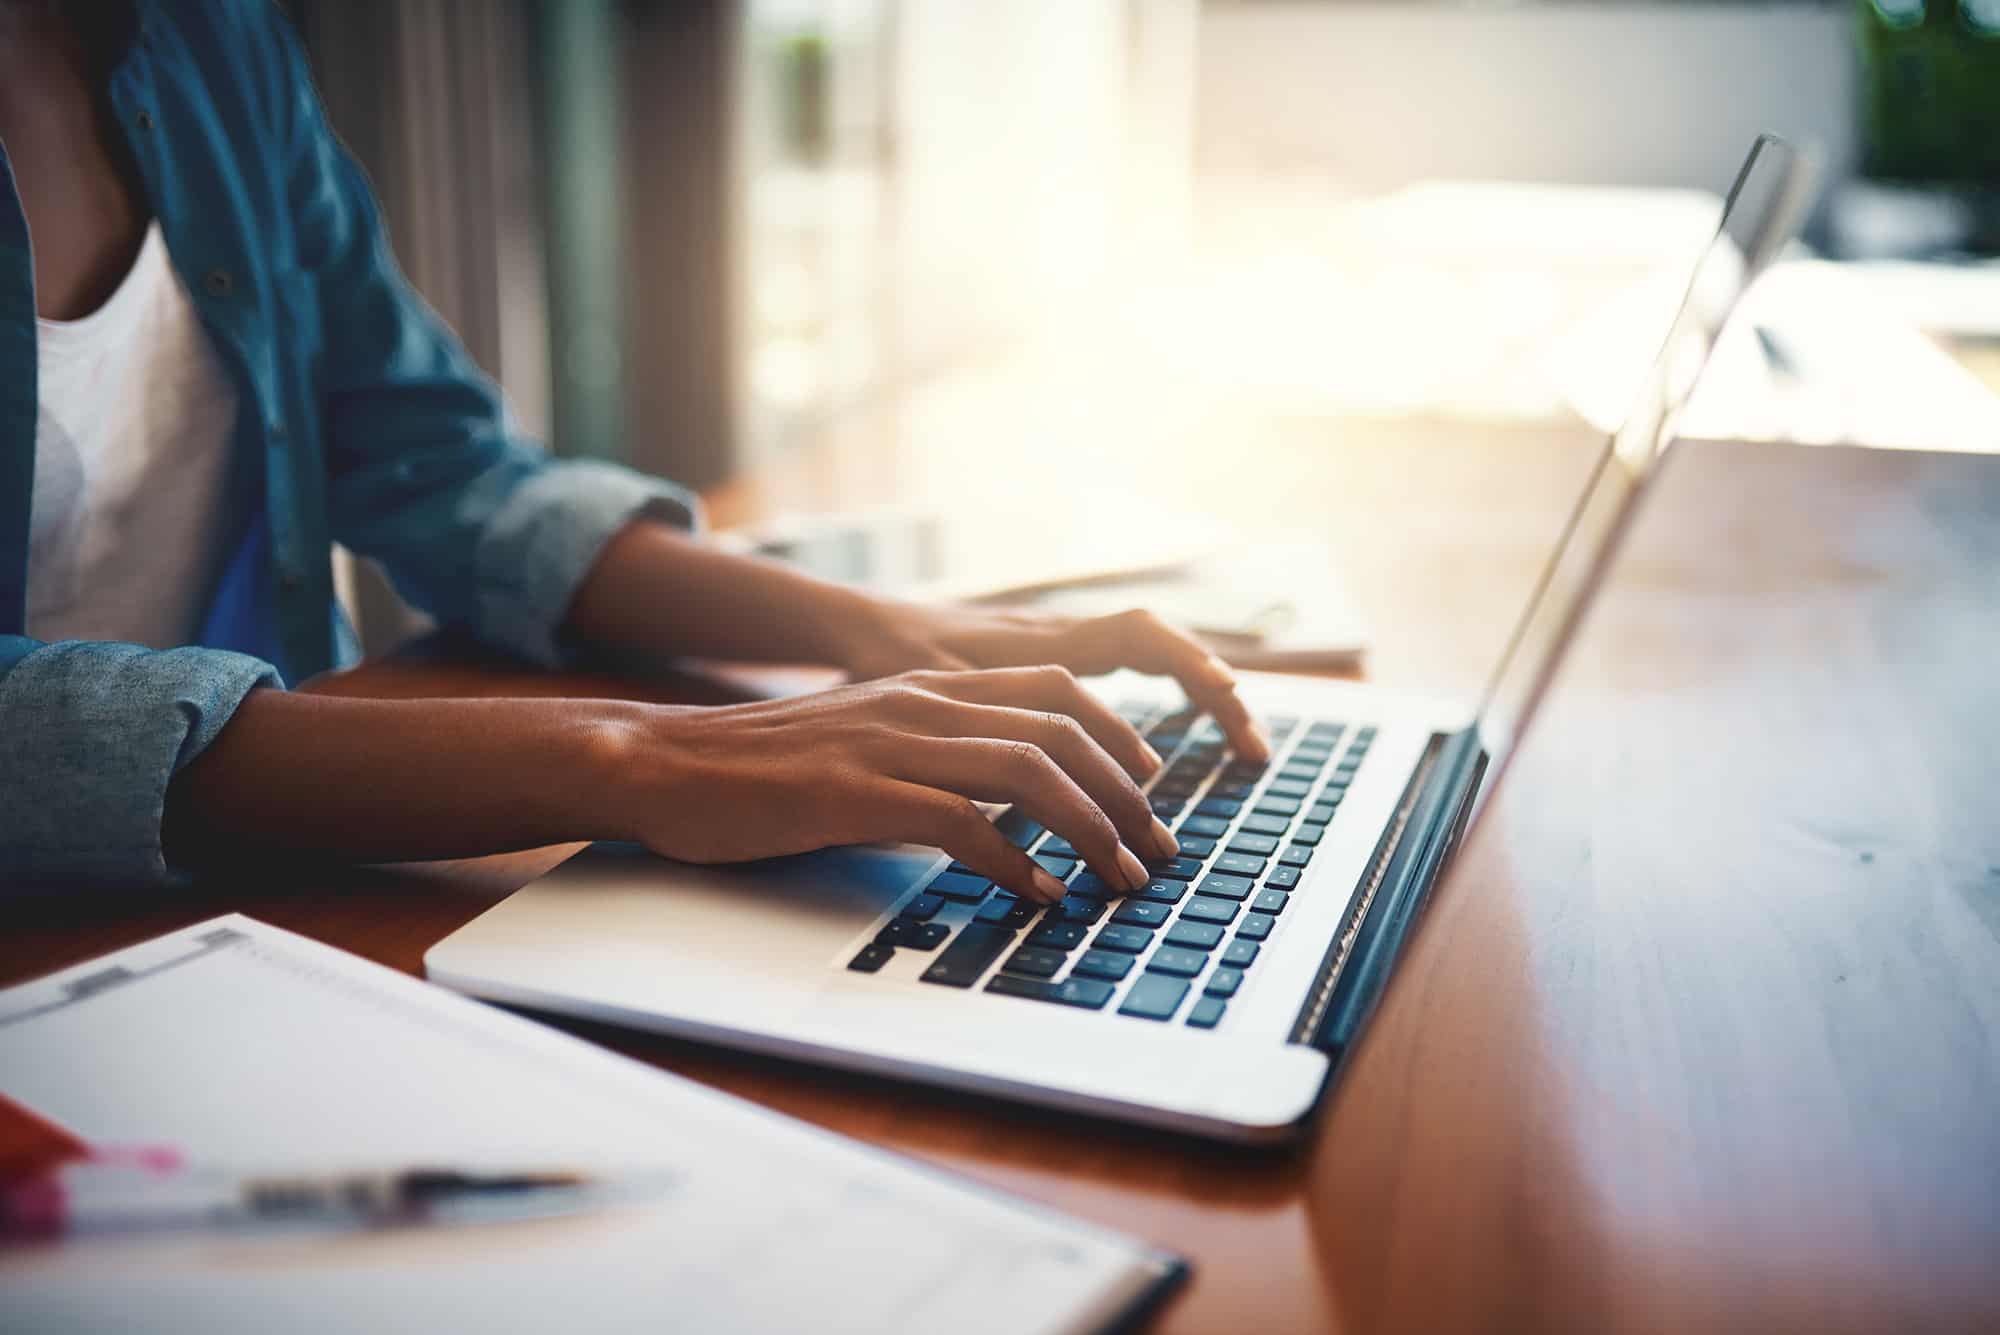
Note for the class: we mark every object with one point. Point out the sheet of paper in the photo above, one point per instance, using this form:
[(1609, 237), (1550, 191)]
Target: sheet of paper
[(255, 1049)]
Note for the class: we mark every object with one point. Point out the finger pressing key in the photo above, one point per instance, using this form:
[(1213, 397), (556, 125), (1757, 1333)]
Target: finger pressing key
[(994, 770), (920, 814)]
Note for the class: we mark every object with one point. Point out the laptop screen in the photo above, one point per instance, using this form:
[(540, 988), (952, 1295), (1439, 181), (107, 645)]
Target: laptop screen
[(1758, 217)]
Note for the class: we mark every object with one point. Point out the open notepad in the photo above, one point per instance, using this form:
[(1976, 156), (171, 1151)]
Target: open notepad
[(253, 1048)]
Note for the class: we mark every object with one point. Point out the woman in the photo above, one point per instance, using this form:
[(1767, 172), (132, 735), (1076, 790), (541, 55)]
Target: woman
[(210, 370)]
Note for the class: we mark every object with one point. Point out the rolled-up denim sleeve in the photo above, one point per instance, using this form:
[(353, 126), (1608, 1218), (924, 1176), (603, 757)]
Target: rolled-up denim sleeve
[(545, 537), (95, 732), (425, 468)]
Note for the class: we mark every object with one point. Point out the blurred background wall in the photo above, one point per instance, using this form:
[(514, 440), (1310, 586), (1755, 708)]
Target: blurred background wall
[(693, 233)]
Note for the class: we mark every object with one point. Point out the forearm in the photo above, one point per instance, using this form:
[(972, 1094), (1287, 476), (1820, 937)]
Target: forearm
[(389, 780), (659, 591)]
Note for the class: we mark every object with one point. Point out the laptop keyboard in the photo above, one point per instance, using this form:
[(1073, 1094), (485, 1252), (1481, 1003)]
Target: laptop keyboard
[(1181, 948)]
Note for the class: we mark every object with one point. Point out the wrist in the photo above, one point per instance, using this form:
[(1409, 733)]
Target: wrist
[(850, 625), (601, 759)]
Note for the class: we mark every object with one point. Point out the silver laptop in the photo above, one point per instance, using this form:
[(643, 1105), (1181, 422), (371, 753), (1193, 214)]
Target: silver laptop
[(1220, 999)]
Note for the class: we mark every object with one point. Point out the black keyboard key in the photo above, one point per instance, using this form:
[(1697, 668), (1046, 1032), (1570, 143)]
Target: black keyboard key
[(1227, 887), (1224, 982), (1060, 868), (1196, 847), (1035, 962), (1166, 808), (1220, 807), (969, 955), (1108, 964), (1008, 912), (1080, 909), (1141, 913), (1085, 992), (923, 908), (1284, 877), (1058, 936), (1255, 926), (1176, 960), (1156, 996), (963, 888), (1270, 900), (1240, 864), (1164, 891), (1299, 772), (1057, 846), (1018, 828), (1204, 826), (1232, 790), (1207, 1013), (1266, 824), (1091, 884), (1322, 813), (872, 957), (1124, 937), (915, 935), (1179, 869), (1286, 807), (1194, 935), (1298, 855), (1241, 954), (1206, 908), (1257, 845), (1348, 764), (1308, 835)]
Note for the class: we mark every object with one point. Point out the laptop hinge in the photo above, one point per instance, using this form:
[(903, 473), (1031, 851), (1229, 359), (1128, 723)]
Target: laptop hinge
[(1394, 885)]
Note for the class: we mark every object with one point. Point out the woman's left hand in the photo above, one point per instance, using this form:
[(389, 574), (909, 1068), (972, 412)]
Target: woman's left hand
[(905, 636)]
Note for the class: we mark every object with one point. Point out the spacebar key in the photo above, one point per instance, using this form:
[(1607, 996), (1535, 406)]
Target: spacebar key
[(970, 954)]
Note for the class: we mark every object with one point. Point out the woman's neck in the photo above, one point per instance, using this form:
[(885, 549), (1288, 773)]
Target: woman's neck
[(79, 187)]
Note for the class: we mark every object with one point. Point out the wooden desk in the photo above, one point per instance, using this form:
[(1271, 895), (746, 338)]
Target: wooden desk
[(1701, 1031)]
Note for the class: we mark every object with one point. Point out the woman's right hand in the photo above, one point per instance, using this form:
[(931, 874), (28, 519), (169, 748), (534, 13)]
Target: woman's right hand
[(903, 758)]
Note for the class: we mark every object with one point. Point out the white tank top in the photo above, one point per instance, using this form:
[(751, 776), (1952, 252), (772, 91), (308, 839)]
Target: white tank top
[(132, 465)]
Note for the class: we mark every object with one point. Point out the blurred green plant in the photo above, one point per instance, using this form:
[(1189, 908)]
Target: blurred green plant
[(1930, 90), (801, 60)]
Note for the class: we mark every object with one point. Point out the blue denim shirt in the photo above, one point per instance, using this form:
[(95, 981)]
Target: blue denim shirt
[(360, 420)]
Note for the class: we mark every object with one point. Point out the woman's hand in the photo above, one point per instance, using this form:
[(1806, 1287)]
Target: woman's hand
[(903, 758), (666, 593), (896, 637)]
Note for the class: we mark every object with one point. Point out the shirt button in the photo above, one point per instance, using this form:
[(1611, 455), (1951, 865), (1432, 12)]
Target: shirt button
[(218, 282)]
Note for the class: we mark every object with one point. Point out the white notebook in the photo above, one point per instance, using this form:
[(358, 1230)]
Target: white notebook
[(252, 1048)]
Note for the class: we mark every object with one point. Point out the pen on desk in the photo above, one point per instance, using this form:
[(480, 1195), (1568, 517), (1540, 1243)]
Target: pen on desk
[(124, 1194)]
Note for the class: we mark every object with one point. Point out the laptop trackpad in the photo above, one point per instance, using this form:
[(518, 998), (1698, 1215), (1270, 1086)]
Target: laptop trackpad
[(617, 916)]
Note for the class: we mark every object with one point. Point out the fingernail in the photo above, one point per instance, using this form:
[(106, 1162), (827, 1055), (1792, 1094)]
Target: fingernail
[(1135, 871), (1164, 844), (1047, 886), (1153, 759)]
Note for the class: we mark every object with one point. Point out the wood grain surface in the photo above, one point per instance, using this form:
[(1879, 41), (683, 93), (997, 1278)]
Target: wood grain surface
[(1701, 1030)]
